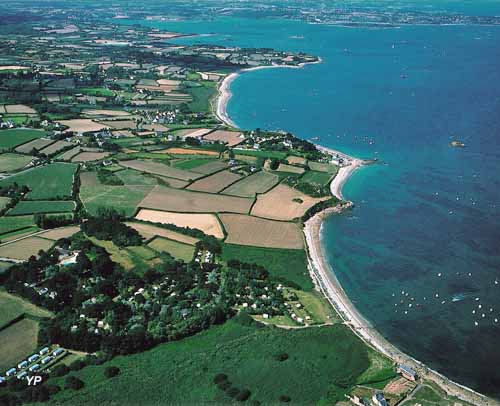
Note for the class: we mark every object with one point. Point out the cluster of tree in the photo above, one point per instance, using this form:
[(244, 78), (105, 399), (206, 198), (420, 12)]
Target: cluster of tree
[(108, 178), (108, 225), (320, 206), (308, 188), (224, 384), (46, 221)]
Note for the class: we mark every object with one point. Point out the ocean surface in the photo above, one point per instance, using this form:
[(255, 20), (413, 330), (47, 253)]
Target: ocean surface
[(420, 253)]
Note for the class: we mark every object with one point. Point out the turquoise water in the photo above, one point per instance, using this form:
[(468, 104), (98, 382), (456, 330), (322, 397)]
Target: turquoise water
[(426, 220)]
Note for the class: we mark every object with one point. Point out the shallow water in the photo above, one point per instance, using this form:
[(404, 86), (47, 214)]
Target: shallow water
[(426, 220)]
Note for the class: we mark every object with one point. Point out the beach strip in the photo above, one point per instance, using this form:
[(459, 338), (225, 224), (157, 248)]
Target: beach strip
[(324, 276)]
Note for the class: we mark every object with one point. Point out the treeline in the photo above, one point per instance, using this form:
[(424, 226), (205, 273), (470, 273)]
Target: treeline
[(46, 221), (108, 225)]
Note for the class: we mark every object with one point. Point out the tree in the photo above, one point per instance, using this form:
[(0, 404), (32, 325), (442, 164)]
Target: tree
[(275, 163), (110, 372), (60, 370), (72, 382)]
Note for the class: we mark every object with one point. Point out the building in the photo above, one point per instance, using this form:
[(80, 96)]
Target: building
[(46, 360), (407, 372), (58, 352), (378, 399), (22, 365), (22, 375), (44, 351), (11, 372), (33, 358), (34, 368)]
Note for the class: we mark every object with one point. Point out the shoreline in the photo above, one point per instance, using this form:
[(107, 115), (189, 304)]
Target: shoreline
[(322, 272), (225, 94)]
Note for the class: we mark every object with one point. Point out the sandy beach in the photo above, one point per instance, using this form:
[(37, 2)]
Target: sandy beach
[(324, 276), (327, 283)]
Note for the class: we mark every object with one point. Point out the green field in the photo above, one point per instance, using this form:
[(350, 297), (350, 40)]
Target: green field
[(121, 198), (133, 177), (201, 96), (174, 248), (13, 306), (14, 137), (320, 178), (18, 234), (285, 264), (131, 258), (17, 342), (323, 167), (4, 201), (53, 181), (261, 154), (41, 206), (8, 224), (320, 361), (259, 182), (11, 162), (97, 91), (191, 163)]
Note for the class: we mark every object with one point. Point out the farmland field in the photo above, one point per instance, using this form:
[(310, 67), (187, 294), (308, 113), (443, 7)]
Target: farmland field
[(290, 169), (122, 198), (12, 162), (46, 182), (190, 151), (14, 137), (215, 183), (184, 201), (17, 342), (160, 169), (207, 223), (190, 164), (320, 178), (133, 177), (283, 203), (174, 248), (54, 148), (67, 155), (129, 258), (38, 144), (319, 361), (8, 224), (294, 160), (14, 306), (322, 167), (62, 232), (284, 264), (25, 248), (192, 132), (14, 235), (19, 109), (231, 138), (248, 230), (148, 231), (89, 156), (4, 201), (261, 154), (82, 125), (259, 182), (41, 206), (210, 167)]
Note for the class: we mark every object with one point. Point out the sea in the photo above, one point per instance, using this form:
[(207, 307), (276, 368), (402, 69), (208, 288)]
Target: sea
[(419, 255)]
